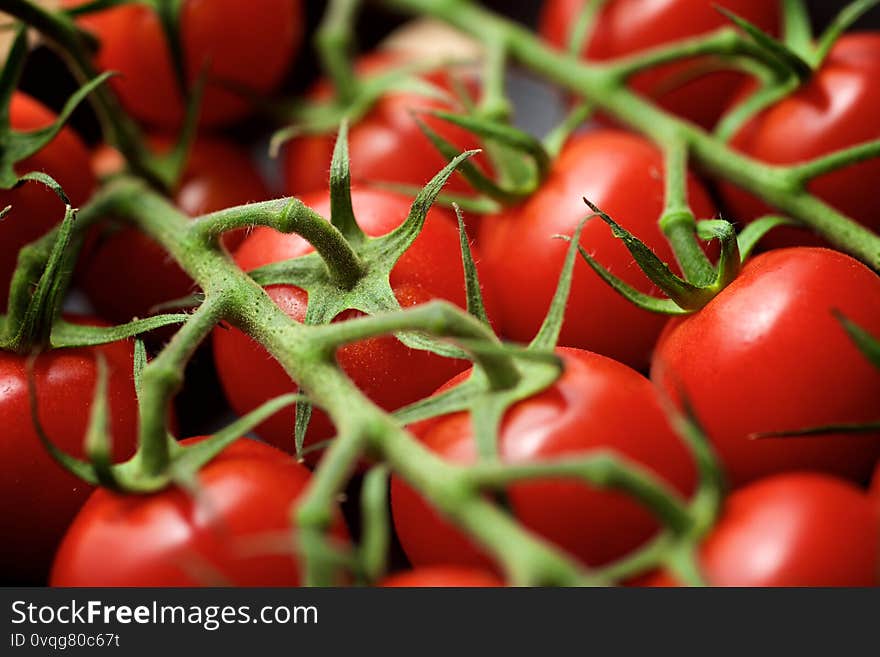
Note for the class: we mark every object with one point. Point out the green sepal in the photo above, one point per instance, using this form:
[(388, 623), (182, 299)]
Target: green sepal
[(788, 59), (868, 344), (98, 442), (33, 311), (755, 231), (341, 210), (730, 260), (797, 32), (17, 146), (684, 294), (471, 204), (841, 23), (475, 305), (64, 334)]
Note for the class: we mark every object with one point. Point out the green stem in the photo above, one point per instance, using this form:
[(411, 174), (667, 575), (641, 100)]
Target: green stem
[(776, 185), (837, 160), (602, 470), (494, 103), (678, 222), (289, 216)]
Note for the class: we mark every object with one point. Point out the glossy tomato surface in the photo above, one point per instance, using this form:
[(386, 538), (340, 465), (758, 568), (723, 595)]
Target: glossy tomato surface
[(597, 405), (245, 45), (34, 207), (39, 498), (442, 577), (387, 144), (796, 529), (836, 109), (621, 174), (228, 535), (627, 27), (126, 274), (391, 374), (768, 355)]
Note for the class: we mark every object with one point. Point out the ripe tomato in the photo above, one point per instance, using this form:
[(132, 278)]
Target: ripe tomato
[(388, 372), (589, 409), (126, 274), (39, 497), (875, 488), (248, 46), (626, 27), (768, 355), (522, 260), (387, 144), (228, 534), (796, 529), (836, 109), (35, 208), (442, 577)]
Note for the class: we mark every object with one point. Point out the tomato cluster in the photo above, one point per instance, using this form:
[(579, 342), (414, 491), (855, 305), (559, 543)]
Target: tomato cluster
[(770, 370)]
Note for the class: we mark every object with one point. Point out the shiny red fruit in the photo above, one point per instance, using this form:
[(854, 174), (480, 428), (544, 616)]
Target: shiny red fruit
[(598, 405), (799, 529), (767, 354), (39, 497), (836, 109), (628, 27), (623, 175), (244, 48), (237, 530)]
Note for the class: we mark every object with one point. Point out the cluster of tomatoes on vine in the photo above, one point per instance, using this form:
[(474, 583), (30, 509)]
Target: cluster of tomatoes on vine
[(769, 355)]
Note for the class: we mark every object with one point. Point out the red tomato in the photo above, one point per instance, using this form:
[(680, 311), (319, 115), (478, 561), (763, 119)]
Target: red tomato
[(627, 27), (836, 109), (386, 145), (39, 497), (590, 408), (229, 534), (875, 488), (442, 577), (767, 355), (126, 274), (390, 373), (620, 173), (797, 529), (35, 208), (249, 46)]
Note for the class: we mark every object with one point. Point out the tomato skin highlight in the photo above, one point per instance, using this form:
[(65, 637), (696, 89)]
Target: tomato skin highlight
[(442, 577), (836, 109), (168, 539), (796, 529), (226, 35), (387, 144), (588, 410), (39, 497), (627, 27), (523, 260), (36, 208), (768, 355), (389, 373), (126, 274)]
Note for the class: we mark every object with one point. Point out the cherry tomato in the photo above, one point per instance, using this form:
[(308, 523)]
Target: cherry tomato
[(228, 534), (627, 27), (768, 355), (620, 173), (836, 109), (388, 372), (245, 46), (796, 529), (39, 497), (442, 577), (35, 208), (126, 274), (589, 409), (875, 488), (387, 144)]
